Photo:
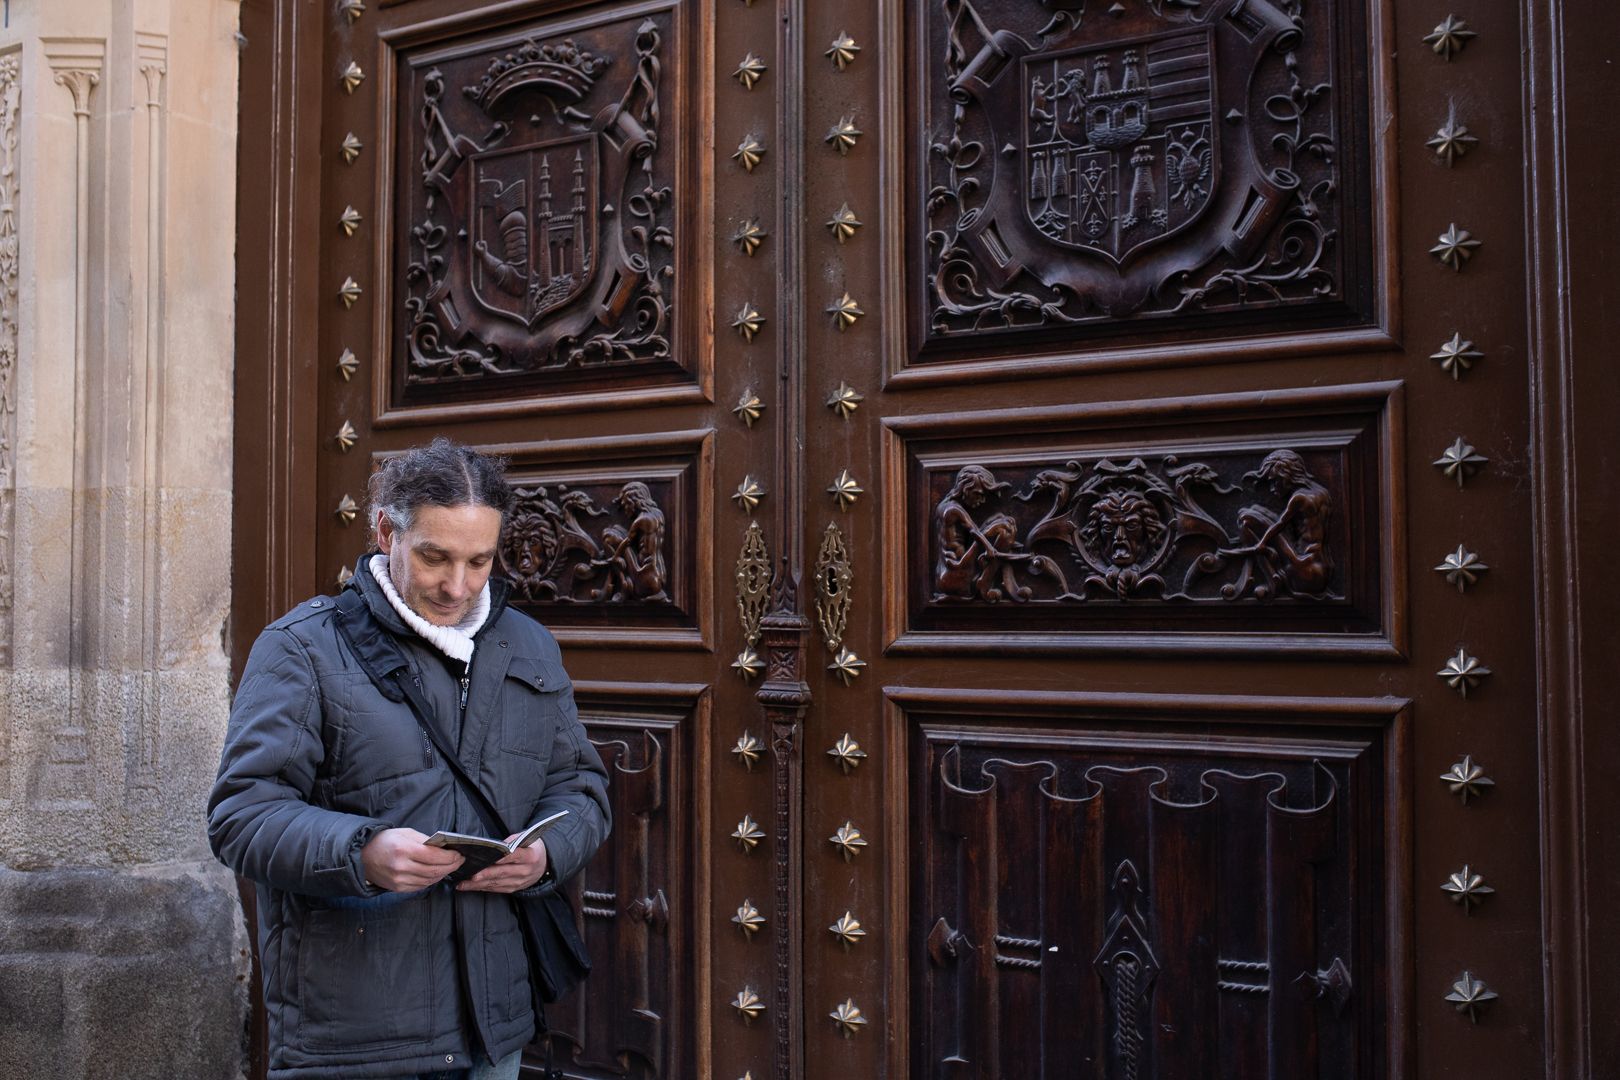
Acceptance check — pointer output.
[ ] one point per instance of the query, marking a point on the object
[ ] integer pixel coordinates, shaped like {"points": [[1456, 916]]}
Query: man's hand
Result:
{"points": [[514, 873], [397, 860]]}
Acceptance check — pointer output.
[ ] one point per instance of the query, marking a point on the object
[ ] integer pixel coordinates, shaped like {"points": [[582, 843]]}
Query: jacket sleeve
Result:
{"points": [[261, 822], [576, 782]]}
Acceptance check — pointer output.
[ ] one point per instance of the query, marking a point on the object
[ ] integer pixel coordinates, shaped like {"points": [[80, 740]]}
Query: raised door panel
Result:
{"points": [[1194, 888]]}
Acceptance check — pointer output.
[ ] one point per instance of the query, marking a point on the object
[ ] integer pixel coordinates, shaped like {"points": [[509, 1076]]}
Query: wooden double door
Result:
{"points": [[1031, 494]]}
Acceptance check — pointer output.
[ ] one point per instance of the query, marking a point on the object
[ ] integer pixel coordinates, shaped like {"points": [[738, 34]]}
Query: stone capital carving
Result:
{"points": [[79, 82]]}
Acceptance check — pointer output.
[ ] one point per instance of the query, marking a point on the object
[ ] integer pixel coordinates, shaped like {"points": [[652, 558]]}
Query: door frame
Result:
{"points": [[1571, 382]]}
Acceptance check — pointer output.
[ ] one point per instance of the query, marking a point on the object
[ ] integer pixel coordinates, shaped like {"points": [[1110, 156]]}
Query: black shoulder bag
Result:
{"points": [[558, 959]]}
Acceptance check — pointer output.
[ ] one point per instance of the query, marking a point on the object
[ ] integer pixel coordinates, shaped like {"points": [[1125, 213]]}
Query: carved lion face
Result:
{"points": [[529, 540], [1124, 527]]}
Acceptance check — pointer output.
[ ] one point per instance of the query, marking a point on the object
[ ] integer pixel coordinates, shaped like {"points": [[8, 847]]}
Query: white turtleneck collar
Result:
{"points": [[456, 641]]}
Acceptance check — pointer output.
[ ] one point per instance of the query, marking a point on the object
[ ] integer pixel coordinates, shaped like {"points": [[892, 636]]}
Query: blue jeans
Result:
{"points": [[505, 1069]]}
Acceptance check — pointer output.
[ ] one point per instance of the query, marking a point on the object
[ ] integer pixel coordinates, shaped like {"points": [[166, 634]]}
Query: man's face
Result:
{"points": [[440, 564]]}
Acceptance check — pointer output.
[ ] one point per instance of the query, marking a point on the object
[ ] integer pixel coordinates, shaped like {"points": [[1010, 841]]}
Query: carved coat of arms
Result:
{"points": [[1119, 148], [536, 249], [1118, 156]]}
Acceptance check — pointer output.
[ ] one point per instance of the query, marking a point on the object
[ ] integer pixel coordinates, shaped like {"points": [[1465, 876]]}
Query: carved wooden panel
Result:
{"points": [[634, 900], [608, 539], [538, 227], [1119, 170], [1175, 523], [1148, 899]]}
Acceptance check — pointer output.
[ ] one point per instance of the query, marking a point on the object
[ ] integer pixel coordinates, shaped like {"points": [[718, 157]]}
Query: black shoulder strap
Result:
{"points": [[383, 662]]}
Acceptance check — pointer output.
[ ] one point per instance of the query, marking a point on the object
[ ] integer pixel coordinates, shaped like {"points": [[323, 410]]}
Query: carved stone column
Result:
{"points": [[117, 163]]}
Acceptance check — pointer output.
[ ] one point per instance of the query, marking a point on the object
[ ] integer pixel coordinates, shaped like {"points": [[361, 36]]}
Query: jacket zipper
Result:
{"points": [[464, 681]]}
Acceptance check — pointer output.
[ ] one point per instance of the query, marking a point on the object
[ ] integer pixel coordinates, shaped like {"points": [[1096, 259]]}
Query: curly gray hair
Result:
{"points": [[442, 473]]}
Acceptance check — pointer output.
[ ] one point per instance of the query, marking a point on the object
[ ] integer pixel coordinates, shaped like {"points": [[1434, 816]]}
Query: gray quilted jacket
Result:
{"points": [[359, 982]]}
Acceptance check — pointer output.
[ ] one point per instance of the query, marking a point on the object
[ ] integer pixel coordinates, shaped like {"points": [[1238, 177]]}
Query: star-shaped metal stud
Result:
{"points": [[344, 576], [1449, 37], [352, 77], [351, 148], [747, 1004], [748, 750], [1467, 889], [842, 51], [843, 223], [748, 834], [748, 322], [1463, 672], [842, 135], [847, 752], [1457, 355], [749, 408], [848, 1018], [349, 220], [347, 510], [845, 311], [1467, 779], [750, 71], [750, 152], [1462, 568], [353, 9], [1471, 996], [848, 840], [1452, 140], [748, 919], [845, 400], [846, 489], [749, 236], [1460, 461], [347, 364], [349, 292], [1455, 247], [346, 437], [847, 930], [749, 494], [846, 665], [748, 664]]}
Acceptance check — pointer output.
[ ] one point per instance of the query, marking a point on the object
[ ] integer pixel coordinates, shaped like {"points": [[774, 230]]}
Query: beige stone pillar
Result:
{"points": [[117, 218]]}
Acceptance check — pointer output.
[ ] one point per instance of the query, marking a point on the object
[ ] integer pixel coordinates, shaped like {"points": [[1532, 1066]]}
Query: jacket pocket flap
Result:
{"points": [[547, 676]]}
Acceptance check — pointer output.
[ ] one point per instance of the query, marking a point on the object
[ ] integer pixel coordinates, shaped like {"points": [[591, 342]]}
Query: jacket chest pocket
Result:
{"points": [[538, 695]]}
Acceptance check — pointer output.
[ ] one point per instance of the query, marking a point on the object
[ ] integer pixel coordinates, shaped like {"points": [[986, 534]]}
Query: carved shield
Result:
{"points": [[1112, 176], [1119, 149], [532, 226]]}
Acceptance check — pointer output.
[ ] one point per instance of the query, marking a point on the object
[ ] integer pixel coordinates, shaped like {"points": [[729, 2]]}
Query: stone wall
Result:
{"points": [[122, 950]]}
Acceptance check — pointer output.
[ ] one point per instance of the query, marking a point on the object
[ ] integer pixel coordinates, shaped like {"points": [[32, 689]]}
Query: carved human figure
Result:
{"points": [[981, 561], [968, 552], [1290, 547], [634, 555]]}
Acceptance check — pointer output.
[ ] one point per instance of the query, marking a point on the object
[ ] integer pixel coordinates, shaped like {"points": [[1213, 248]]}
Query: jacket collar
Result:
{"points": [[363, 583]]}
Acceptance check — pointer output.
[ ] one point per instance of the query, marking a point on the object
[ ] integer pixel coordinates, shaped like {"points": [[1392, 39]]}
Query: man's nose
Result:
{"points": [[455, 583]]}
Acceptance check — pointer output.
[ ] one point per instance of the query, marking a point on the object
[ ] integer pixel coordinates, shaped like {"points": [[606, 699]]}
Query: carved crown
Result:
{"points": [[563, 70]]}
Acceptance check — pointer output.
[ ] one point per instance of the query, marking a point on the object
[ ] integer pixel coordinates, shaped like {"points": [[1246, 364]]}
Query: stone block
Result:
{"points": [[133, 974]]}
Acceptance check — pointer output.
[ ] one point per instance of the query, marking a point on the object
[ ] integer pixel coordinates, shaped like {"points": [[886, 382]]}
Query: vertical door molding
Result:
{"points": [[273, 542], [1570, 132]]}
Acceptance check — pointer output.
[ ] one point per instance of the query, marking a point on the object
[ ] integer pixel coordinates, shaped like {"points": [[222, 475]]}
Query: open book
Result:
{"points": [[481, 851]]}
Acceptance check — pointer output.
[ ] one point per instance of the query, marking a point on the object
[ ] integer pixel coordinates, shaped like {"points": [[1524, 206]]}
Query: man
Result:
{"points": [[374, 964]]}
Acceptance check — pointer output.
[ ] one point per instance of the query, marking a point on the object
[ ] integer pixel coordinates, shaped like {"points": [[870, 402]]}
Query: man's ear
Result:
{"points": [[385, 533]]}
